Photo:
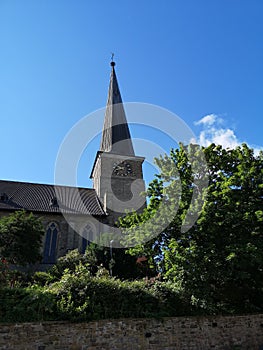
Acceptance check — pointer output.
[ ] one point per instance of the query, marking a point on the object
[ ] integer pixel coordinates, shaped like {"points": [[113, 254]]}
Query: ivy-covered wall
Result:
{"points": [[180, 333]]}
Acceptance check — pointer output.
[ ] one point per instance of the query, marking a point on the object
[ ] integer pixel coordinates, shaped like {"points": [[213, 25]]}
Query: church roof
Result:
{"points": [[116, 136], [49, 198]]}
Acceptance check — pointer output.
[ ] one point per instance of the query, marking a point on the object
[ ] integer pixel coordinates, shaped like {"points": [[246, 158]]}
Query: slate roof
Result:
{"points": [[116, 136], [49, 198]]}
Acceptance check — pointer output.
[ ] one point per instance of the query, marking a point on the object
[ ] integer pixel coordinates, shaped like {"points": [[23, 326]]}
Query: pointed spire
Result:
{"points": [[116, 136]]}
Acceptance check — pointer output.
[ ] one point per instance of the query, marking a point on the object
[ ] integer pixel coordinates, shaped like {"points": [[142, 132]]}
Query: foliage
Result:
{"points": [[81, 297], [21, 238], [68, 262], [3, 272], [12, 277], [42, 278], [116, 260], [27, 305], [217, 262]]}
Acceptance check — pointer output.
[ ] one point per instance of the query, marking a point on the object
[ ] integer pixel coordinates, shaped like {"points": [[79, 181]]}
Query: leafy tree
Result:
{"points": [[217, 261], [174, 202], [222, 262], [21, 238]]}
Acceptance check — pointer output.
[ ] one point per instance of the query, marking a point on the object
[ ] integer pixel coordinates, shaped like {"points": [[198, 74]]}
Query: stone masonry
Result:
{"points": [[180, 333]]}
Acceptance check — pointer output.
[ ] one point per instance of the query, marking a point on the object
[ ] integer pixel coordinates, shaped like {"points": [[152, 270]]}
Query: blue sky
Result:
{"points": [[199, 59]]}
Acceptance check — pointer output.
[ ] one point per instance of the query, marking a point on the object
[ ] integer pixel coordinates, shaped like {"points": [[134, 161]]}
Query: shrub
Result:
{"points": [[42, 278], [27, 305], [68, 262], [81, 297]]}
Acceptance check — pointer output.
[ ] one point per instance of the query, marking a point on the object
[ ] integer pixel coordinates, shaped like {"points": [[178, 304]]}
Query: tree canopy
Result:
{"points": [[21, 238], [216, 259]]}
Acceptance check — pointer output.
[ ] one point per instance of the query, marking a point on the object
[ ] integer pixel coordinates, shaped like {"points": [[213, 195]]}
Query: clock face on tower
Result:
{"points": [[122, 169]]}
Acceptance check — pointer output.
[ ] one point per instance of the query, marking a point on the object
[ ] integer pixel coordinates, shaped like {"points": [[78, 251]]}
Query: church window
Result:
{"points": [[51, 244]]}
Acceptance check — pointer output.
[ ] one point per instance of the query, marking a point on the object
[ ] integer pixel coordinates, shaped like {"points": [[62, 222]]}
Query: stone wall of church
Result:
{"points": [[71, 231], [181, 333], [64, 232], [68, 229]]}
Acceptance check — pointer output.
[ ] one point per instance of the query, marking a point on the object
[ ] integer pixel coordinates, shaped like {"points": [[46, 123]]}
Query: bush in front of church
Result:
{"points": [[21, 236]]}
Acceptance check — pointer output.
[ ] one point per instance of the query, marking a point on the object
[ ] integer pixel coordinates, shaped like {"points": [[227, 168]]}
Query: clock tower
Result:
{"points": [[117, 173]]}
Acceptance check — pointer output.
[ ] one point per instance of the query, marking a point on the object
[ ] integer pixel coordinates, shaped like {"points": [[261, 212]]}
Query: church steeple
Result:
{"points": [[116, 136], [117, 173]]}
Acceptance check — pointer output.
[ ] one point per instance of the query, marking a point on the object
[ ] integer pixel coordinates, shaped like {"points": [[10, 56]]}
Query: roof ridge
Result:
{"points": [[44, 184]]}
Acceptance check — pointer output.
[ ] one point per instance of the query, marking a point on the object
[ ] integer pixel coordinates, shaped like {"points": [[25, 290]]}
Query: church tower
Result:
{"points": [[117, 173]]}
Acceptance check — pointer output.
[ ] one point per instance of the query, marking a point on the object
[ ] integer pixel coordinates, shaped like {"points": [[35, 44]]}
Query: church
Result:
{"points": [[74, 216]]}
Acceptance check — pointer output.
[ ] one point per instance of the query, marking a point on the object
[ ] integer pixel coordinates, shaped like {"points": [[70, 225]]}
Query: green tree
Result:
{"points": [[21, 238], [217, 262], [222, 262], [175, 199]]}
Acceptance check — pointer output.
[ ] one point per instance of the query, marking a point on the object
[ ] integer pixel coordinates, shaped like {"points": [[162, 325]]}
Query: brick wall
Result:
{"points": [[239, 332]]}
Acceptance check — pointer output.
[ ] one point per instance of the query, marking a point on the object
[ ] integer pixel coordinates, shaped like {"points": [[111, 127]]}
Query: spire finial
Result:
{"points": [[112, 62]]}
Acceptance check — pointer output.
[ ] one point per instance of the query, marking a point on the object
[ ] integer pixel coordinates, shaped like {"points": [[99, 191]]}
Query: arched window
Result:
{"points": [[87, 237], [50, 247]]}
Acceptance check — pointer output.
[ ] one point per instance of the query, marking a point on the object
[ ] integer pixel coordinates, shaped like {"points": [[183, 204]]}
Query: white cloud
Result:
{"points": [[224, 137], [213, 132], [207, 120]]}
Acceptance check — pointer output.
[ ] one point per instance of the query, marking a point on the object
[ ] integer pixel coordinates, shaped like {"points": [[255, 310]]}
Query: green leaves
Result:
{"points": [[222, 251], [21, 238]]}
